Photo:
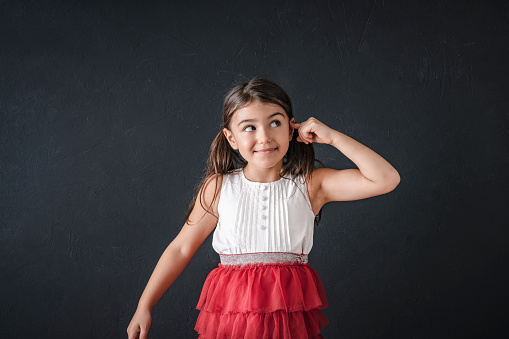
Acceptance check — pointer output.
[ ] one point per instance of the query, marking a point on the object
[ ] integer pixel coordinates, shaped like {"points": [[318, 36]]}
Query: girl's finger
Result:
{"points": [[309, 139], [302, 135], [133, 334], [302, 140], [305, 133]]}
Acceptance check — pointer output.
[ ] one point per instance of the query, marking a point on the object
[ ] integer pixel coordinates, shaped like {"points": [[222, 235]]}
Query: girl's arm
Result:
{"points": [[374, 175], [176, 257]]}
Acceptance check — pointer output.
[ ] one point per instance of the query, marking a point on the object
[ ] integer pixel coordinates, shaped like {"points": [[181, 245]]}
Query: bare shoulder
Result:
{"points": [[210, 193], [203, 217]]}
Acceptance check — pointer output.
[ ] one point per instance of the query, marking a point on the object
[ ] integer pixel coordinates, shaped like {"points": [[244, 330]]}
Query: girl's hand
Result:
{"points": [[313, 130], [139, 324]]}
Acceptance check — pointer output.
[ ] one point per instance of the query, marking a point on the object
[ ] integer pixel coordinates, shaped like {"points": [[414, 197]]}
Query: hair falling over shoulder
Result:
{"points": [[223, 159]]}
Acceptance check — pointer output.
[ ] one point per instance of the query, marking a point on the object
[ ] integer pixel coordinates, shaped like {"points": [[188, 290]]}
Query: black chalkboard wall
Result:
{"points": [[108, 110]]}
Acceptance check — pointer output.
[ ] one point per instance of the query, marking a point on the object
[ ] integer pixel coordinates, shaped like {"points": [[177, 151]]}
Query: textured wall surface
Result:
{"points": [[108, 110]]}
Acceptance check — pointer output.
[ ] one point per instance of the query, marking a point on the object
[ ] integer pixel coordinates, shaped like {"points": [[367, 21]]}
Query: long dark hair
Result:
{"points": [[223, 159]]}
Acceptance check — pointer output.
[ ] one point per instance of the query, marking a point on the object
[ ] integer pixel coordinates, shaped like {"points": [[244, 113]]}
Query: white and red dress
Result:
{"points": [[263, 287]]}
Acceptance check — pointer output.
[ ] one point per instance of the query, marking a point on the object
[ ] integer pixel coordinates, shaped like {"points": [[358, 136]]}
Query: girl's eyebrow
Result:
{"points": [[269, 117]]}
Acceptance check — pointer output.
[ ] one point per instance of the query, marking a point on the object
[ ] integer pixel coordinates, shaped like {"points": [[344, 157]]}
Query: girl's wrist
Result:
{"points": [[145, 306], [335, 136]]}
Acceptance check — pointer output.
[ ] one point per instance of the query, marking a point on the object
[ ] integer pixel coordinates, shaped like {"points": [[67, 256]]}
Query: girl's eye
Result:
{"points": [[251, 128]]}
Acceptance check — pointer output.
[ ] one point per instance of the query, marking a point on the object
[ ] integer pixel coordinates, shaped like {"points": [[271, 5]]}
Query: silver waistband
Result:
{"points": [[263, 258]]}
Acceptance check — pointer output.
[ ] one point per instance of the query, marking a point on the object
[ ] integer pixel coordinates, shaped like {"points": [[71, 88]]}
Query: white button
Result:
{"points": [[263, 227], [264, 216], [264, 207], [264, 197], [263, 187]]}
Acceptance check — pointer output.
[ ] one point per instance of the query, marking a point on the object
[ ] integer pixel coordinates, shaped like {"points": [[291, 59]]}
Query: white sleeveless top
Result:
{"points": [[263, 217]]}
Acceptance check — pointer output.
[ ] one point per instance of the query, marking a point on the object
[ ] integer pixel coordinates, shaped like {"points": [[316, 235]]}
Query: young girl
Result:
{"points": [[262, 196]]}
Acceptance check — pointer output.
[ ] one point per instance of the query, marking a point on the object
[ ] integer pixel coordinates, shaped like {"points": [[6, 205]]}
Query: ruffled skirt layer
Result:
{"points": [[277, 300]]}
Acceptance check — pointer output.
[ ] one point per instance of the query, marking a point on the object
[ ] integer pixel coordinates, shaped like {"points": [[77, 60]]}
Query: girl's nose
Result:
{"points": [[264, 135]]}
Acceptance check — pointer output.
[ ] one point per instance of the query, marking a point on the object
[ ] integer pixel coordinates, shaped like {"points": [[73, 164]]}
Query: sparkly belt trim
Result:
{"points": [[263, 258]]}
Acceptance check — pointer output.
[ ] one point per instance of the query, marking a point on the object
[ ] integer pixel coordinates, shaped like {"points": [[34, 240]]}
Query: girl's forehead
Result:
{"points": [[258, 110]]}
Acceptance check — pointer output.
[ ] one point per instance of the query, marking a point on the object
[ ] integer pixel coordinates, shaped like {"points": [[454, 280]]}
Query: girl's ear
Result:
{"points": [[292, 129], [231, 139]]}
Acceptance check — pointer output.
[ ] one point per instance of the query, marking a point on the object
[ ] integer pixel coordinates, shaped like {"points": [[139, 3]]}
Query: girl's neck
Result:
{"points": [[263, 174]]}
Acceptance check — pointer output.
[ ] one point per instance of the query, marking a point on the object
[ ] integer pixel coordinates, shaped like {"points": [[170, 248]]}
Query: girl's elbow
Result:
{"points": [[392, 182]]}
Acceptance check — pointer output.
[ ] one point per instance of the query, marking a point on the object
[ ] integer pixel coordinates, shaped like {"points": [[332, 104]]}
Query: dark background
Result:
{"points": [[108, 110]]}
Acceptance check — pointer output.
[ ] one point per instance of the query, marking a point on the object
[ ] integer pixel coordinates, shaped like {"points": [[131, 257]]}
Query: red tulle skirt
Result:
{"points": [[262, 301]]}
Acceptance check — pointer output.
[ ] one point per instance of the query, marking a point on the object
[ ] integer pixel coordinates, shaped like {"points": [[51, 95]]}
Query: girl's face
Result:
{"points": [[261, 132]]}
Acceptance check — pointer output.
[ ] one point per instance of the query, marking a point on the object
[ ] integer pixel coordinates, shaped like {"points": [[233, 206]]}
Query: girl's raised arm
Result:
{"points": [[374, 176], [176, 256]]}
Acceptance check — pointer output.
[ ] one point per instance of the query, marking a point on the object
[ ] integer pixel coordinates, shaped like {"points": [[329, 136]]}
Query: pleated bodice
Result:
{"points": [[263, 217]]}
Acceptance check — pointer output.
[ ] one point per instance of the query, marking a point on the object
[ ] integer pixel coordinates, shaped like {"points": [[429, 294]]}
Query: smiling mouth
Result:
{"points": [[267, 151]]}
